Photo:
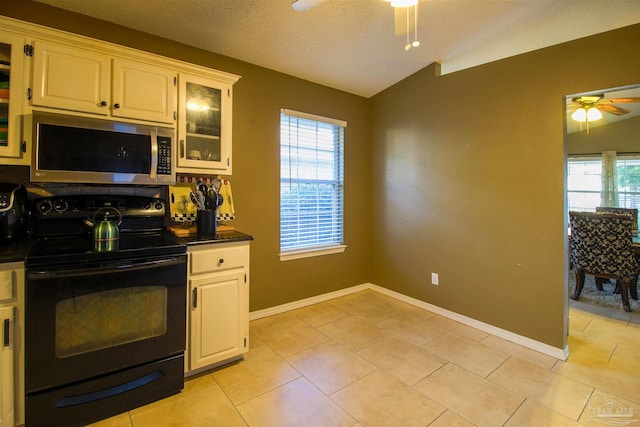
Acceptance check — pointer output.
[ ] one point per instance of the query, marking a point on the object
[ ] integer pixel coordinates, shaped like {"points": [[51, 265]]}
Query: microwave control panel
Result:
{"points": [[164, 155]]}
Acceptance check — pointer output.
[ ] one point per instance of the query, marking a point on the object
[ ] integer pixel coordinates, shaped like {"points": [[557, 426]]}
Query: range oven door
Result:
{"points": [[86, 321]]}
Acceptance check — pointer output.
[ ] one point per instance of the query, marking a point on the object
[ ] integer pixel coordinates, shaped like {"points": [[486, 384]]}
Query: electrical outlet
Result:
{"points": [[434, 279]]}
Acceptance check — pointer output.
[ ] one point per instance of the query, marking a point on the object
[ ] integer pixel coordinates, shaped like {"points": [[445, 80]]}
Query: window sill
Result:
{"points": [[311, 252]]}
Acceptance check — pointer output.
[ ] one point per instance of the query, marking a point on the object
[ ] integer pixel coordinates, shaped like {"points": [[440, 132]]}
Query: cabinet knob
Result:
{"points": [[116, 106], [103, 104], [220, 261]]}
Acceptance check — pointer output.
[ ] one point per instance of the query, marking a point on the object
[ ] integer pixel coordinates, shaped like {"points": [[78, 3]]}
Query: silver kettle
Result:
{"points": [[105, 225]]}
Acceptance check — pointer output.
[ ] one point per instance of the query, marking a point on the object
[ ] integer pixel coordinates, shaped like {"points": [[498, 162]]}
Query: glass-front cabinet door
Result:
{"points": [[11, 78], [204, 126]]}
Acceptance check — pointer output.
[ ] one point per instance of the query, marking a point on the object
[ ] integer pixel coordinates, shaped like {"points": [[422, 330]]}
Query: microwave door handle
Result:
{"points": [[154, 154]]}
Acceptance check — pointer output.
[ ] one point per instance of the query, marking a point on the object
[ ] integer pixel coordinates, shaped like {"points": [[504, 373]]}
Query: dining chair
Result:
{"points": [[601, 245], [628, 211]]}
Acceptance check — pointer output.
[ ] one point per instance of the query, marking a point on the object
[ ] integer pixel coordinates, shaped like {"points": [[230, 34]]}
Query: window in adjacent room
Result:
{"points": [[608, 180], [311, 185]]}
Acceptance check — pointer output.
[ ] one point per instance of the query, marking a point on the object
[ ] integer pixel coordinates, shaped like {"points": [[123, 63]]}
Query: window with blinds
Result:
{"points": [[311, 182], [585, 185]]}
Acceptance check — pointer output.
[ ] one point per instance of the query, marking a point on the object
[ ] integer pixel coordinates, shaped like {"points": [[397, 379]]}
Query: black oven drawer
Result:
{"points": [[89, 401]]}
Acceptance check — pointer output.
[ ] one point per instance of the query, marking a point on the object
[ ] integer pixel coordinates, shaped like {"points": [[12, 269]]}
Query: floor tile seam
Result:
{"points": [[447, 409], [633, 398], [534, 398], [438, 401], [283, 355], [489, 382], [330, 395], [508, 355], [259, 395], [315, 326], [514, 412], [499, 365], [300, 375], [580, 379]]}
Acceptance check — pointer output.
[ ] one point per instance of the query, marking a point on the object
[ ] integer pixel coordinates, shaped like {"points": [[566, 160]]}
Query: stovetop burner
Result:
{"points": [[62, 236]]}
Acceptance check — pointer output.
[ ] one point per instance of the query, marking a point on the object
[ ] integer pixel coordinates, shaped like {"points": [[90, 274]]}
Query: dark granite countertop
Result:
{"points": [[15, 251], [220, 237], [18, 251]]}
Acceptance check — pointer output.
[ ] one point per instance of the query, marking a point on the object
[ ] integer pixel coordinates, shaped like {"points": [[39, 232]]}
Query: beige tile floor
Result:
{"points": [[369, 360]]}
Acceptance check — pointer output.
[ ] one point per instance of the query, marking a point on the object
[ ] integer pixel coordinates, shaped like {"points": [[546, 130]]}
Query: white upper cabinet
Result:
{"points": [[204, 125], [76, 79], [142, 91]]}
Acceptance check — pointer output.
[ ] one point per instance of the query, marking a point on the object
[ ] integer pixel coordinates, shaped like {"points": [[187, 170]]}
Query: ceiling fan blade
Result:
{"points": [[609, 108], [304, 5], [621, 100]]}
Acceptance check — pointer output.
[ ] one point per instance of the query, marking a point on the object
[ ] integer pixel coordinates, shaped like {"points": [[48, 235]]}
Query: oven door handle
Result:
{"points": [[116, 267]]}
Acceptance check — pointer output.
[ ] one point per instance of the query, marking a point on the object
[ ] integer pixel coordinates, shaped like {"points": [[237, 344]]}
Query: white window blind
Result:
{"points": [[584, 184], [585, 188], [311, 181], [628, 181]]}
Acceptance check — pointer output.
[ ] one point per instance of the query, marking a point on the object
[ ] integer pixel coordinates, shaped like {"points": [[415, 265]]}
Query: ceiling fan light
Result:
{"points": [[593, 114], [402, 3], [407, 46], [580, 115], [415, 43]]}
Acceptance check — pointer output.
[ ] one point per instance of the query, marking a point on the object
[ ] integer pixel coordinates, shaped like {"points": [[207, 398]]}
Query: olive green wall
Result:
{"points": [[462, 175], [468, 174], [258, 97], [622, 136]]}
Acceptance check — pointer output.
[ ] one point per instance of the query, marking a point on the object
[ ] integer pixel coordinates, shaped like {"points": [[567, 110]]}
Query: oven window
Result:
{"points": [[110, 318]]}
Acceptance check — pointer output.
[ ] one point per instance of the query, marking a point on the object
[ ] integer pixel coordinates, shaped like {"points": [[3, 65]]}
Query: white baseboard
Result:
{"points": [[538, 346], [305, 302]]}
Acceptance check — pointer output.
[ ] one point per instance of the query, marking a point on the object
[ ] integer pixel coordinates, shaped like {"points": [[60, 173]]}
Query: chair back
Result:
{"points": [[628, 211], [601, 244]]}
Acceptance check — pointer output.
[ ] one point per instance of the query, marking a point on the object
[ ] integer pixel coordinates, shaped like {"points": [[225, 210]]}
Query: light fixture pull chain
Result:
{"points": [[408, 45], [416, 43]]}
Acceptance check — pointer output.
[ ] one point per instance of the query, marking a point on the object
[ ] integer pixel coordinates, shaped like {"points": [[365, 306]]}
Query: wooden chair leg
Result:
{"points": [[599, 282], [633, 287], [624, 293], [579, 284]]}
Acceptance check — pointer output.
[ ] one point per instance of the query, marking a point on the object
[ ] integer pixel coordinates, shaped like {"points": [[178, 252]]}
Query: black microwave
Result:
{"points": [[78, 149]]}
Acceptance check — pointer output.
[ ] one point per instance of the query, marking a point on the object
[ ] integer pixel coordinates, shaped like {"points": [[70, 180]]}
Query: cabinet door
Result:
{"points": [[11, 90], [70, 79], [204, 126], [219, 326], [145, 92], [6, 367]]}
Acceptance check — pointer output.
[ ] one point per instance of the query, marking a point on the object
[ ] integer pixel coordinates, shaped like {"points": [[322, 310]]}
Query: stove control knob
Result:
{"points": [[146, 204], [60, 205], [45, 207], [159, 205]]}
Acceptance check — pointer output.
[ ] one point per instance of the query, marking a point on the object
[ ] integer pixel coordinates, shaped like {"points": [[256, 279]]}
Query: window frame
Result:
{"points": [[336, 182]]}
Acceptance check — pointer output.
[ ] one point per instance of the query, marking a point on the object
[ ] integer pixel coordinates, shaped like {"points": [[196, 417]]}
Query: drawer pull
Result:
{"points": [[7, 332], [220, 261]]}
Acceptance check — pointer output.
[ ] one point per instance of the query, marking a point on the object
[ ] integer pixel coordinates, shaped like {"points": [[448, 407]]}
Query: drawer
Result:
{"points": [[218, 259]]}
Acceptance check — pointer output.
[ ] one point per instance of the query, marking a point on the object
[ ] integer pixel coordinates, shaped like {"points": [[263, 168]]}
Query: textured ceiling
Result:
{"points": [[351, 44]]}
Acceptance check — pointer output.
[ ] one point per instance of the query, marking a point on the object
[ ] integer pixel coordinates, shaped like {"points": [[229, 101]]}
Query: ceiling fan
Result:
{"points": [[589, 108], [405, 18], [600, 103]]}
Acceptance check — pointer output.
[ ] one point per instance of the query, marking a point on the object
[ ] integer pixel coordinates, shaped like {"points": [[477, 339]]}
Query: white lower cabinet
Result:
{"points": [[11, 344], [7, 416], [218, 314]]}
